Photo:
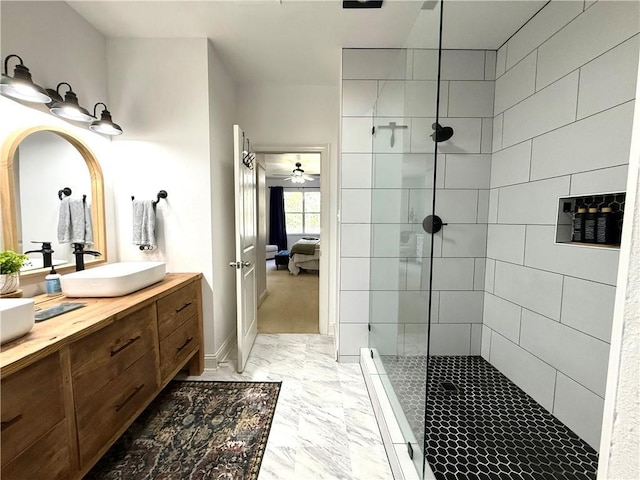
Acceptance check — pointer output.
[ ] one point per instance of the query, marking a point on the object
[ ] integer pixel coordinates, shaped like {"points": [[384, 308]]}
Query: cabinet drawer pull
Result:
{"points": [[126, 400], [122, 347], [187, 342], [183, 307], [8, 423]]}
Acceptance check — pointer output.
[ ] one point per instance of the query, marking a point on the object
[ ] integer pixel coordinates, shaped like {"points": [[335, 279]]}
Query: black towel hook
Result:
{"points": [[66, 192]]}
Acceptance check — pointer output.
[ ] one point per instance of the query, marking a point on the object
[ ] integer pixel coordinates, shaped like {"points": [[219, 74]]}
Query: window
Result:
{"points": [[302, 212]]}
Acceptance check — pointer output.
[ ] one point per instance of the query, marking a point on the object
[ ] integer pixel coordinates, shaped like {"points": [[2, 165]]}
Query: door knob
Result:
{"points": [[235, 264], [246, 264]]}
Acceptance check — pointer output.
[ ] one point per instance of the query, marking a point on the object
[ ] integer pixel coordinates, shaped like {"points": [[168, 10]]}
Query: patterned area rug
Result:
{"points": [[195, 431]]}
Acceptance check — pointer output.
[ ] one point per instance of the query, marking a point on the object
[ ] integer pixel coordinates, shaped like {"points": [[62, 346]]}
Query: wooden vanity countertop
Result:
{"points": [[51, 335]]}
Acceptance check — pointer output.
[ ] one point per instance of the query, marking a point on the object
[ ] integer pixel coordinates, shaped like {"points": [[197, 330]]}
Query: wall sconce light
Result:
{"points": [[105, 125], [21, 85], [68, 108]]}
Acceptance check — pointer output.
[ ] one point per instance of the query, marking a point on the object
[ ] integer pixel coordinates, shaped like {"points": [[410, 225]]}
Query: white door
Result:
{"points": [[245, 261]]}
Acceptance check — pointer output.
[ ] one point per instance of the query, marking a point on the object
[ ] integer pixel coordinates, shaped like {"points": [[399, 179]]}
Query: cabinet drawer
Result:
{"points": [[178, 346], [47, 459], [102, 356], [114, 406], [175, 309], [32, 403]]}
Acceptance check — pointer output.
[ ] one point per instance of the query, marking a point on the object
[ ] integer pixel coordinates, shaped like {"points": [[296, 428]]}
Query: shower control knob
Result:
{"points": [[433, 224]]}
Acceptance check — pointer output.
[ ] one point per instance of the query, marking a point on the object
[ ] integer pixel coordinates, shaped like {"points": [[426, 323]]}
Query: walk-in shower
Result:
{"points": [[477, 329]]}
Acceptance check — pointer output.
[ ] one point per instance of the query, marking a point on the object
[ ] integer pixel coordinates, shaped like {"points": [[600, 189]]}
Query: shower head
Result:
{"points": [[441, 134]]}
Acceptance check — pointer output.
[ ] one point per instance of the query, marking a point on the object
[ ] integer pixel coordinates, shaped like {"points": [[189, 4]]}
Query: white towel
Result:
{"points": [[74, 221], [144, 223]]}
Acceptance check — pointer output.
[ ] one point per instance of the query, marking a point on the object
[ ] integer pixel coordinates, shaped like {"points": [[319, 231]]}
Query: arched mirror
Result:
{"points": [[42, 170]]}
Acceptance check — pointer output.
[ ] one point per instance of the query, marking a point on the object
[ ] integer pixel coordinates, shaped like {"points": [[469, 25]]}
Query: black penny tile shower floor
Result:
{"points": [[487, 428]]}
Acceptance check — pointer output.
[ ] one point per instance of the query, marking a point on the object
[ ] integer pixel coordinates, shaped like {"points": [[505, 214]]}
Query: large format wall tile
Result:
{"points": [[516, 84], [462, 65], [353, 336], [356, 135], [368, 64], [511, 165], [525, 370], [355, 240], [461, 307], [612, 179], [502, 316], [580, 409], [452, 273], [506, 243], [356, 206], [610, 79], [354, 307], [596, 264], [582, 146], [382, 138], [460, 240], [486, 142], [467, 171], [354, 274], [532, 203], [356, 170], [389, 206], [546, 110], [533, 289], [490, 64], [601, 27], [588, 307], [359, 97], [470, 99], [455, 206], [425, 64], [450, 339], [579, 356], [543, 25]]}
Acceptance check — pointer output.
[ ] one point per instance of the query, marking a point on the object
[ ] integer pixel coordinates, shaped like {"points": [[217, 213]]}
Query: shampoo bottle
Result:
{"points": [[52, 283], [607, 230], [591, 225], [578, 224]]}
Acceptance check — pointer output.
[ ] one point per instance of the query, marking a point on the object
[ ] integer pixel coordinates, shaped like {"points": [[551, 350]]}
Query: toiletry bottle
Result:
{"points": [[578, 224], [607, 228], [591, 225], [52, 283]]}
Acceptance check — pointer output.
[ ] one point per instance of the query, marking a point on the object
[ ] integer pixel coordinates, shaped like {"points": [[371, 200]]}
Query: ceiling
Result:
{"points": [[282, 164], [298, 42]]}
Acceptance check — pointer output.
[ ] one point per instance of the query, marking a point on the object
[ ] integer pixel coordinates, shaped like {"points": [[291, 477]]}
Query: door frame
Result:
{"points": [[328, 275]]}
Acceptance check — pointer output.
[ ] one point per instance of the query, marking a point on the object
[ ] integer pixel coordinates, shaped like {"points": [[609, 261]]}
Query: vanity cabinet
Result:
{"points": [[74, 384]]}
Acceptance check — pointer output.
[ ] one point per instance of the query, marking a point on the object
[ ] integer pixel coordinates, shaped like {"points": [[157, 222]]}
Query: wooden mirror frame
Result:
{"points": [[7, 196]]}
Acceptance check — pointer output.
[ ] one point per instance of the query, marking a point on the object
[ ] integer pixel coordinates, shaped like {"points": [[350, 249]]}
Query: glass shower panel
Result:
{"points": [[401, 197]]}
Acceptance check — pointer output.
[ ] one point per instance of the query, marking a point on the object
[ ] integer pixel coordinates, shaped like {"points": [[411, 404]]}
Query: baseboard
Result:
{"points": [[212, 360], [262, 297]]}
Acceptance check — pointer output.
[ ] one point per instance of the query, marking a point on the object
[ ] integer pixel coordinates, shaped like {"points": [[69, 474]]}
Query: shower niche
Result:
{"points": [[593, 220]]}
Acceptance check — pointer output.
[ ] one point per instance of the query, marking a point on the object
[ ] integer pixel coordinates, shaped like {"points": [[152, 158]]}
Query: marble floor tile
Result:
{"points": [[323, 426]]}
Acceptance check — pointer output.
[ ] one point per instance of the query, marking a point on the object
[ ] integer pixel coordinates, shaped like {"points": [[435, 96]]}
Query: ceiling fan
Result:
{"points": [[298, 176]]}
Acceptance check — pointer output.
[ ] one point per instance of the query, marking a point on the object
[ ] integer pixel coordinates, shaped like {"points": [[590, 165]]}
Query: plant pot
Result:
{"points": [[9, 283]]}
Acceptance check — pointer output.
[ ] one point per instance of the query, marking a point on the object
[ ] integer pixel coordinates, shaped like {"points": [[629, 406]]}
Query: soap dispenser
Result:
{"points": [[52, 283]]}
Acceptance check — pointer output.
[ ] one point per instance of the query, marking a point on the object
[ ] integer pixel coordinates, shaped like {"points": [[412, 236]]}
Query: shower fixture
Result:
{"points": [[441, 134]]}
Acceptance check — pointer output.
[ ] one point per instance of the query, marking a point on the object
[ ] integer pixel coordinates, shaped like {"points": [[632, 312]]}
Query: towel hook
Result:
{"points": [[66, 191]]}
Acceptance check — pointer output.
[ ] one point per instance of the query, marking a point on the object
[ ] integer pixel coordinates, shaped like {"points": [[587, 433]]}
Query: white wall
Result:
{"points": [[222, 116], [175, 141], [548, 308], [45, 35]]}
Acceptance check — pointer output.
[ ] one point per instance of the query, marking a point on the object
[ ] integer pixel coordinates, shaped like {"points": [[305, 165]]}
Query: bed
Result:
{"points": [[304, 254]]}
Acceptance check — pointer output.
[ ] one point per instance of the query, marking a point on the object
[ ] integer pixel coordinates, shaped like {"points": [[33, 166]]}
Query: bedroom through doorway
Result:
{"points": [[289, 220]]}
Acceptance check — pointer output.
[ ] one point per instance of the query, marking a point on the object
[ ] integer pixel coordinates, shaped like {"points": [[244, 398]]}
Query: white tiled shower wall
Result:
{"points": [[563, 105], [386, 192], [564, 91]]}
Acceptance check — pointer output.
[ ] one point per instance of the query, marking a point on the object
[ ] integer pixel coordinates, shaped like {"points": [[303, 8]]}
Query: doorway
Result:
{"points": [[292, 285]]}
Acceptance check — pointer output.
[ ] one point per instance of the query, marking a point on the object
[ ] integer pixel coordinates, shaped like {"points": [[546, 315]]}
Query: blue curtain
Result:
{"points": [[277, 224]]}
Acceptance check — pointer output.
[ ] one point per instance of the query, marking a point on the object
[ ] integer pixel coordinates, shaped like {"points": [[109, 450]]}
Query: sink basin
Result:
{"points": [[16, 318], [113, 279]]}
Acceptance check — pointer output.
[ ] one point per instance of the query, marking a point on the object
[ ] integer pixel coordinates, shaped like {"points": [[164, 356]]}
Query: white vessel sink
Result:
{"points": [[113, 279], [16, 318]]}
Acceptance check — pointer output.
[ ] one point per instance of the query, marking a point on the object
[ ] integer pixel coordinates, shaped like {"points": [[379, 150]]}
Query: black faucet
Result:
{"points": [[80, 252], [46, 252]]}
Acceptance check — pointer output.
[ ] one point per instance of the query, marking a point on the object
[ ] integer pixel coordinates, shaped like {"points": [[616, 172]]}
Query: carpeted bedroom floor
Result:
{"points": [[292, 303]]}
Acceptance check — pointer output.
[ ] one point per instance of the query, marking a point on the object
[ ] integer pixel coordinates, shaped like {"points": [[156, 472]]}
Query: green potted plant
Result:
{"points": [[10, 265]]}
